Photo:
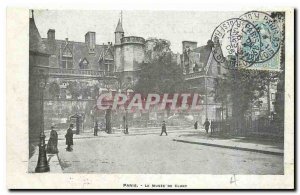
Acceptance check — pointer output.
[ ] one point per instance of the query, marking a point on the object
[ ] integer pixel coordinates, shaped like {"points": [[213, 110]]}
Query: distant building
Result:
{"points": [[200, 70], [265, 105]]}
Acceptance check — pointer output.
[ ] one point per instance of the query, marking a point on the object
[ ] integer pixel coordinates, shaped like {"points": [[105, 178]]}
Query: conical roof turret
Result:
{"points": [[119, 27]]}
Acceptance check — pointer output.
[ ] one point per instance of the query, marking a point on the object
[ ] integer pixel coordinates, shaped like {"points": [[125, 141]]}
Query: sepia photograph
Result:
{"points": [[175, 93]]}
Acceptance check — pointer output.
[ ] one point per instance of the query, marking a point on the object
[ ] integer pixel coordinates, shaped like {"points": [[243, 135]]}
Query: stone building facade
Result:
{"points": [[79, 71], [38, 63], [129, 53], [200, 70]]}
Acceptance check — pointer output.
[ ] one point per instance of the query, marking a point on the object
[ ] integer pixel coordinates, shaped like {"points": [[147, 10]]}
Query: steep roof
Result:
{"points": [[79, 51], [119, 27], [35, 41], [204, 53]]}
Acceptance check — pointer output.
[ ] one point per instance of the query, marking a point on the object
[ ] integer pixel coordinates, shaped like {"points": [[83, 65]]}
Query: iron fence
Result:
{"points": [[262, 126]]}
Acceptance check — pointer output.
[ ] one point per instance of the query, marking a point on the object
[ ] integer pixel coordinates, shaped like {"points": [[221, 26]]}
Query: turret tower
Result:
{"points": [[129, 52], [119, 33]]}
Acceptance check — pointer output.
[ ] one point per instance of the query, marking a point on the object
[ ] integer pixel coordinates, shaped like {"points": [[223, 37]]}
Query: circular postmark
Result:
{"points": [[245, 41], [236, 43], [270, 33], [221, 39]]}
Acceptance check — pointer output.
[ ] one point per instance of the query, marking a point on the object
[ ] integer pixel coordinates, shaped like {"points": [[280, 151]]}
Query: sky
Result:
{"points": [[175, 26]]}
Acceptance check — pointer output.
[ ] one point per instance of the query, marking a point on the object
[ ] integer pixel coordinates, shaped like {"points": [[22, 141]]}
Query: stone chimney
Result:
{"points": [[90, 40], [51, 34], [51, 41], [188, 44]]}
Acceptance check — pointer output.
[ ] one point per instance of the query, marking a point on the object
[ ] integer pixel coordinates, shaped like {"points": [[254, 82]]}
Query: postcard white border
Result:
{"points": [[17, 133]]}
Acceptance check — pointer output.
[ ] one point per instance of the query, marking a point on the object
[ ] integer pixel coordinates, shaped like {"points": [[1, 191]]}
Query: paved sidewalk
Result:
{"points": [[52, 160], [119, 132], [237, 143], [192, 136]]}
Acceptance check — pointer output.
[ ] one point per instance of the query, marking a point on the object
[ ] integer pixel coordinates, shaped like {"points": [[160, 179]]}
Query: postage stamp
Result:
{"points": [[253, 39], [152, 99]]}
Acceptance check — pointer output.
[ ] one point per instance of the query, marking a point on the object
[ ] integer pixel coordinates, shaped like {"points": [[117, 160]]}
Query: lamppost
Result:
{"points": [[108, 120], [42, 165], [205, 80]]}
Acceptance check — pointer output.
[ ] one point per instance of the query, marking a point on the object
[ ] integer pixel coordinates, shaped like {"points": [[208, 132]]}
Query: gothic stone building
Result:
{"points": [[38, 60], [79, 71], [200, 70]]}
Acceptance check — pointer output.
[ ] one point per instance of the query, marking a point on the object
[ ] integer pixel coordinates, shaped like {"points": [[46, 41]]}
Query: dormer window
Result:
{"points": [[196, 68], [67, 58], [106, 62], [67, 52], [84, 64], [108, 65]]}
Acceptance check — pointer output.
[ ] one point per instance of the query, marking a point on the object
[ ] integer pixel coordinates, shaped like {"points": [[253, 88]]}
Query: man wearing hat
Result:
{"points": [[163, 128], [69, 137], [206, 125], [96, 129]]}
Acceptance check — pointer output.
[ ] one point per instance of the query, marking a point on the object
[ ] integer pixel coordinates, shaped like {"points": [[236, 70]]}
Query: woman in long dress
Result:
{"points": [[52, 143]]}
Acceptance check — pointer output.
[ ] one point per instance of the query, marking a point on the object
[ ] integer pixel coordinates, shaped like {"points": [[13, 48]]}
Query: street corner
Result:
{"points": [[52, 159]]}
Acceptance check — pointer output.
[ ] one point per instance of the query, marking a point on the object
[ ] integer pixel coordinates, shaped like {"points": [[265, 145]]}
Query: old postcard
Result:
{"points": [[100, 99]]}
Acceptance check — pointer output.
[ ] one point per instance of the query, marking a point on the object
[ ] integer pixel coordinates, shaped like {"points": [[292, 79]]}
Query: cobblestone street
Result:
{"points": [[152, 154]]}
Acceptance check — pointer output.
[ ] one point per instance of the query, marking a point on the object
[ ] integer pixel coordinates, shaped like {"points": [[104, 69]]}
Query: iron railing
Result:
{"points": [[79, 72], [248, 126]]}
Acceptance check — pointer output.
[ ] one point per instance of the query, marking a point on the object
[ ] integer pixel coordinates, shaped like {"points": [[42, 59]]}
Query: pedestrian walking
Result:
{"points": [[196, 125], [96, 129], [212, 127], [124, 124], [126, 129], [163, 128], [52, 143], [206, 125], [69, 138]]}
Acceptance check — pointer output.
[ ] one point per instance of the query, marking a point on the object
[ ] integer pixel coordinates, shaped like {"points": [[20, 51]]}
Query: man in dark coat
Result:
{"points": [[163, 128], [52, 143], [126, 129], [206, 125], [196, 125], [212, 127], [96, 129], [124, 124], [69, 137]]}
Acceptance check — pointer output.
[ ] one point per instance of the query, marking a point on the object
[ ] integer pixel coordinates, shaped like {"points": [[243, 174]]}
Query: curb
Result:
{"points": [[233, 147], [118, 135], [135, 129]]}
